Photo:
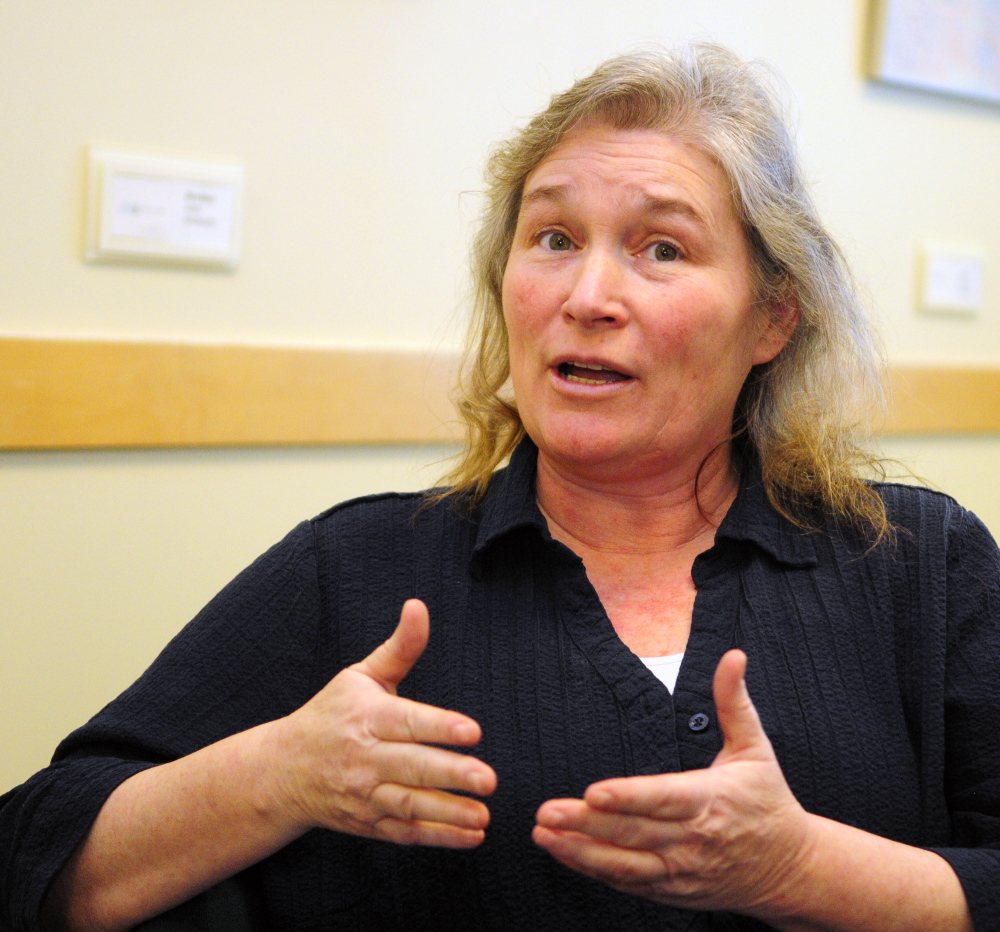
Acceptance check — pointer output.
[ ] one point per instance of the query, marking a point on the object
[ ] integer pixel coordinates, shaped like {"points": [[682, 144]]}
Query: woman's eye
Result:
{"points": [[664, 252], [558, 242]]}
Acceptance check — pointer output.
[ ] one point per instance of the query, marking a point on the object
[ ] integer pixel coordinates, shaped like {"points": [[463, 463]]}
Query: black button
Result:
{"points": [[698, 721]]}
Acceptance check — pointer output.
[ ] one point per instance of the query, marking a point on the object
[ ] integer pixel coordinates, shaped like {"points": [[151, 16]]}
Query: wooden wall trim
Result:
{"points": [[944, 400], [69, 394], [94, 393]]}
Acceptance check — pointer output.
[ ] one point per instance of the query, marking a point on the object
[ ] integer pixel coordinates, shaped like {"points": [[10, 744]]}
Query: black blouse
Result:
{"points": [[876, 675]]}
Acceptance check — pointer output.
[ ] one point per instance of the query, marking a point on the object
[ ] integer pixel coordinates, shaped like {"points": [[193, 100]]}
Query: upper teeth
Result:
{"points": [[587, 365]]}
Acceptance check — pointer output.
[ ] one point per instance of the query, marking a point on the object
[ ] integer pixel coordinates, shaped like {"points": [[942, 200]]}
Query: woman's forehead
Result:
{"points": [[595, 130], [646, 166]]}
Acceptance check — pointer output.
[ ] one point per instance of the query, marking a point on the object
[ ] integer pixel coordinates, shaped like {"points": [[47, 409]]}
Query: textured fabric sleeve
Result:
{"points": [[972, 716], [246, 658]]}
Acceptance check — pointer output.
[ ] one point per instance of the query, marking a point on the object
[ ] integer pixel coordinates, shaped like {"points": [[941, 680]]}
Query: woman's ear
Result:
{"points": [[782, 318]]}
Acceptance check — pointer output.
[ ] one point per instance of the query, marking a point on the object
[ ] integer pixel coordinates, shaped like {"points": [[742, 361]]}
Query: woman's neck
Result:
{"points": [[675, 511], [638, 540]]}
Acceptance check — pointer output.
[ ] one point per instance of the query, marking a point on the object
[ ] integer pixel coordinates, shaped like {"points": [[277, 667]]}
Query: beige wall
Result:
{"points": [[363, 125]]}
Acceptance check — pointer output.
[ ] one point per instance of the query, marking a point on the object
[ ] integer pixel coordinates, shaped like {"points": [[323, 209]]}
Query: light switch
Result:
{"points": [[145, 208], [952, 279]]}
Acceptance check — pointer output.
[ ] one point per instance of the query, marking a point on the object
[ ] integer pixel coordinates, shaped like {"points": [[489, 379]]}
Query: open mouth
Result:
{"points": [[588, 373]]}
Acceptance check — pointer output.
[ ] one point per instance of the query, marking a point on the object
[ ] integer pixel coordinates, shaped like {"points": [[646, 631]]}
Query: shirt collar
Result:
{"points": [[510, 500], [510, 504], [753, 518]]}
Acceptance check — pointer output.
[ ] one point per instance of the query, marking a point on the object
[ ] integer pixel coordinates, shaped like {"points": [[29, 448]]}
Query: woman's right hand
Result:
{"points": [[356, 757]]}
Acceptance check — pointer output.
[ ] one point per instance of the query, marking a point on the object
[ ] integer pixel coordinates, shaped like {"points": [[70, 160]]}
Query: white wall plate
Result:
{"points": [[155, 209], [951, 278]]}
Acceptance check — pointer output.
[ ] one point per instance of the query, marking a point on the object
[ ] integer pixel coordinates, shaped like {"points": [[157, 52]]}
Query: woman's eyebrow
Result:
{"points": [[652, 204], [642, 200], [548, 194]]}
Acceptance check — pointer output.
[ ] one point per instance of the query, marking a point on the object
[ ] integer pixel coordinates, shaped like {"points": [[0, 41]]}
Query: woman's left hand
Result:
{"points": [[729, 837]]}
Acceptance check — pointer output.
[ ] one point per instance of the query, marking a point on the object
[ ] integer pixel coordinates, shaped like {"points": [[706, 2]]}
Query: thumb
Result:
{"points": [[393, 659], [741, 728]]}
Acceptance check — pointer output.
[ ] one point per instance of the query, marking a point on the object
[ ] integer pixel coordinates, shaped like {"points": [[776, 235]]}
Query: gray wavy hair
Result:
{"points": [[808, 412]]}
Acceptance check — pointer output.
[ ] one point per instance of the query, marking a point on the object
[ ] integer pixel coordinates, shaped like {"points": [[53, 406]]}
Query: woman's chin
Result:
{"points": [[599, 449], [588, 449]]}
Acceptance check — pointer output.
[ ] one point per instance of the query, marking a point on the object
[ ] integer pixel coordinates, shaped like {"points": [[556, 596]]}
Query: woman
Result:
{"points": [[684, 352]]}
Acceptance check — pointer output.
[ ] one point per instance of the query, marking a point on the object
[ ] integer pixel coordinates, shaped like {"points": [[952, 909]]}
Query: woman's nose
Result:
{"points": [[596, 295]]}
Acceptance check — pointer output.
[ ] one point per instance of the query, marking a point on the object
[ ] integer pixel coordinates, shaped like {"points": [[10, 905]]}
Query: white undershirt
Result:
{"points": [[665, 669]]}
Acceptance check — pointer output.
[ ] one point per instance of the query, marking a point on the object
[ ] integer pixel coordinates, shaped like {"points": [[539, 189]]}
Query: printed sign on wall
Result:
{"points": [[949, 46]]}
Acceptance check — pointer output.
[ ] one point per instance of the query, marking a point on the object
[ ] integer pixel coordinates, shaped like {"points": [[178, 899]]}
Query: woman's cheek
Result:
{"points": [[521, 299]]}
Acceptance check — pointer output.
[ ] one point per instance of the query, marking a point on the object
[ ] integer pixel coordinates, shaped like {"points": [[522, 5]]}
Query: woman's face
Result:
{"points": [[629, 305]]}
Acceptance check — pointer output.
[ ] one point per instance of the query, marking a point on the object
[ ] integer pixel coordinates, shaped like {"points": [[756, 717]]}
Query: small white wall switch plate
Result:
{"points": [[951, 279], [148, 208]]}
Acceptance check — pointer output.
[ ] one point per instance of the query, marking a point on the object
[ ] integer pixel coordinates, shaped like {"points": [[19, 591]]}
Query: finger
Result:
{"points": [[421, 766], [625, 831], [399, 719], [672, 796], [597, 859], [410, 804], [741, 728], [432, 834], [389, 663]]}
